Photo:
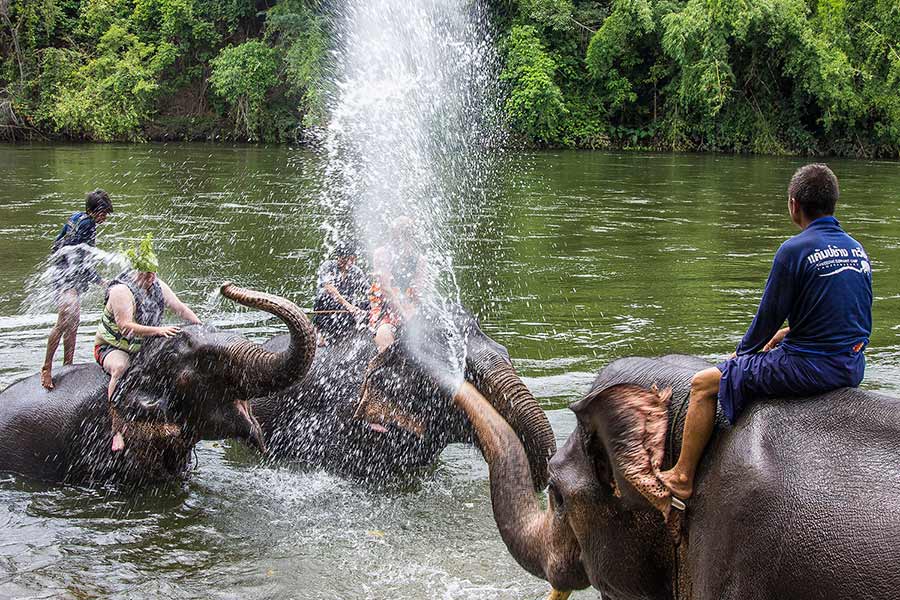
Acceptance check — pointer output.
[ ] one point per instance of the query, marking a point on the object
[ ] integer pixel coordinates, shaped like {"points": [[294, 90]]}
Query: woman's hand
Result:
{"points": [[168, 331]]}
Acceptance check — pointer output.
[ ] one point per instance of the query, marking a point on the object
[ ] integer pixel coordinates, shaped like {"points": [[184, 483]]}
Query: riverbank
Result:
{"points": [[209, 129], [790, 78]]}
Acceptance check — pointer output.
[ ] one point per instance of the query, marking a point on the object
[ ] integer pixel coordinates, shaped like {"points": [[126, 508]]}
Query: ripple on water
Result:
{"points": [[605, 284]]}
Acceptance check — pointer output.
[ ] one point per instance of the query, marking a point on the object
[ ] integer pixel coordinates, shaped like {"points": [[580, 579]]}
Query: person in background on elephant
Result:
{"points": [[341, 301], [821, 282], [135, 301], [72, 273], [399, 277]]}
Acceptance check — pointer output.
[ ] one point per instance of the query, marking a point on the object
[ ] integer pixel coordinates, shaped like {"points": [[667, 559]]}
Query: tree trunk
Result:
{"points": [[14, 34]]}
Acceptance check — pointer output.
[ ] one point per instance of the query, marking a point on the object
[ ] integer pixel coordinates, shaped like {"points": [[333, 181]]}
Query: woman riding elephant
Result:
{"points": [[793, 501], [177, 391], [135, 301]]}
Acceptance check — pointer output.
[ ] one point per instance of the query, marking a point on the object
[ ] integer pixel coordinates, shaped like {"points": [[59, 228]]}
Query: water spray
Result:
{"points": [[414, 115]]}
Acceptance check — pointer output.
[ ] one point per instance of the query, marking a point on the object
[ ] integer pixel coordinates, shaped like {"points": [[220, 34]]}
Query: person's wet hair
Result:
{"points": [[402, 227], [815, 188], [98, 201], [344, 249]]}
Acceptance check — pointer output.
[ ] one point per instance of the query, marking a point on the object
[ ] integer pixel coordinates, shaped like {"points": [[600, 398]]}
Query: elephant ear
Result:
{"points": [[630, 422]]}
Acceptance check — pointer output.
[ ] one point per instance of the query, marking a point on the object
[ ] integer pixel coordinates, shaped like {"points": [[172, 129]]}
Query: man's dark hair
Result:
{"points": [[815, 188], [98, 202], [344, 249]]}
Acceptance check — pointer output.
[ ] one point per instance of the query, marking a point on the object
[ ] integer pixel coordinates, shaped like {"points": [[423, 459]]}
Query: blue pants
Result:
{"points": [[779, 373]]}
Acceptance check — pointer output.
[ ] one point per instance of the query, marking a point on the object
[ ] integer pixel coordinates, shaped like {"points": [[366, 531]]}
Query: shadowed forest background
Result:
{"points": [[759, 76]]}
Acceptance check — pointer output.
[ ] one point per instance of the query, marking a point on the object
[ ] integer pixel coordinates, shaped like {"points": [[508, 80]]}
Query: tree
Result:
{"points": [[242, 76], [535, 103]]}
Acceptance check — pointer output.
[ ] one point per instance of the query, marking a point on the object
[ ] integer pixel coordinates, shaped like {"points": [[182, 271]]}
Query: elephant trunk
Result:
{"points": [[253, 369], [496, 378], [543, 547]]}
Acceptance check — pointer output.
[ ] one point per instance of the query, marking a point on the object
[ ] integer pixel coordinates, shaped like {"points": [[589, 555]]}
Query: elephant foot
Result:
{"points": [[46, 378]]}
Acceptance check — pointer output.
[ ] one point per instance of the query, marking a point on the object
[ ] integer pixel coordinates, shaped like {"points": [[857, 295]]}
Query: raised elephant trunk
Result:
{"points": [[253, 369], [542, 548], [496, 378]]}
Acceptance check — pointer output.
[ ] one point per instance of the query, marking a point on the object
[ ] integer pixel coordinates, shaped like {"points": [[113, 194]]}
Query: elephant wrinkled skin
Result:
{"points": [[798, 500], [178, 391], [408, 416]]}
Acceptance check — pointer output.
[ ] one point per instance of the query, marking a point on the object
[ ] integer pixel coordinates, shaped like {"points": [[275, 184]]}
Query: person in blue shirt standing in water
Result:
{"points": [[72, 274], [821, 282]]}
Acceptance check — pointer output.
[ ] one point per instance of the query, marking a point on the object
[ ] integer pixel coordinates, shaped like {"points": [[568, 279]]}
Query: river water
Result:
{"points": [[571, 260]]}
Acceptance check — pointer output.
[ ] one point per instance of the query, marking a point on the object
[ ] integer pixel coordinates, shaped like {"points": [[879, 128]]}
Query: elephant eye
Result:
{"points": [[185, 380], [556, 496]]}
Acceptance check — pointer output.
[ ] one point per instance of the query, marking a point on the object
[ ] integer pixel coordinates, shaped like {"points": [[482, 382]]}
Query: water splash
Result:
{"points": [[68, 264], [414, 121]]}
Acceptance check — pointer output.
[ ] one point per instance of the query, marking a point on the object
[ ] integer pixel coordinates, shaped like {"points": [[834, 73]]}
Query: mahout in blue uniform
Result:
{"points": [[821, 283]]}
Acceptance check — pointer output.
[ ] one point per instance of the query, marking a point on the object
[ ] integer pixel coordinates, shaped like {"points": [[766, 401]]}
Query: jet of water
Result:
{"points": [[414, 121]]}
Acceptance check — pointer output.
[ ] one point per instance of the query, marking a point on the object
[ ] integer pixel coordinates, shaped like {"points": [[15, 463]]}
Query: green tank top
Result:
{"points": [[148, 310]]}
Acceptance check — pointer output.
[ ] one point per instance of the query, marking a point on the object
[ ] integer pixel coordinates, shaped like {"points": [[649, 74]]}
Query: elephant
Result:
{"points": [[178, 391], [396, 425], [287, 397], [799, 499]]}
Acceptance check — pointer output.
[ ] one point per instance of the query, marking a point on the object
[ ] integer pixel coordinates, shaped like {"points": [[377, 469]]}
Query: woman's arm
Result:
{"points": [[121, 303], [421, 279], [176, 305], [381, 265]]}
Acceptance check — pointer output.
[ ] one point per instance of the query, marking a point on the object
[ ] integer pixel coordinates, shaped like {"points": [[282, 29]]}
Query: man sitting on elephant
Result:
{"points": [[341, 301], [821, 282], [135, 301]]}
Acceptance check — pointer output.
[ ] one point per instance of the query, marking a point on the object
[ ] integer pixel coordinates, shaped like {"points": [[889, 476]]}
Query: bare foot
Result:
{"points": [[46, 378], [680, 486], [118, 443]]}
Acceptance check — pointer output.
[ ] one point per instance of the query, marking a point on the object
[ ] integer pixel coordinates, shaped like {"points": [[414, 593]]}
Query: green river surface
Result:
{"points": [[572, 260]]}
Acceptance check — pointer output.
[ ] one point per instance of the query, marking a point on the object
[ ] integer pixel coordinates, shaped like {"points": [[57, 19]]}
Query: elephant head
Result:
{"points": [[597, 528], [422, 358], [201, 380]]}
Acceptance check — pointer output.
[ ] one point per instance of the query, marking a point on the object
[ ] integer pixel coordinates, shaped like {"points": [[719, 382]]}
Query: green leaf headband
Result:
{"points": [[143, 258]]}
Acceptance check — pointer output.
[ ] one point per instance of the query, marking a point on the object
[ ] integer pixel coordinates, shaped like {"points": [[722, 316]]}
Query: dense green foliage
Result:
{"points": [[768, 76], [133, 69], [243, 76]]}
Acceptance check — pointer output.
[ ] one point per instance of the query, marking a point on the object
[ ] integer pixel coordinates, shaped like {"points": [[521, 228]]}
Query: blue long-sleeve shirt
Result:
{"points": [[821, 282], [79, 229]]}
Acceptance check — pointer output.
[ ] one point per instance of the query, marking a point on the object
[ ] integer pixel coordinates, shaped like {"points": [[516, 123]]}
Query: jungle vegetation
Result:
{"points": [[760, 76]]}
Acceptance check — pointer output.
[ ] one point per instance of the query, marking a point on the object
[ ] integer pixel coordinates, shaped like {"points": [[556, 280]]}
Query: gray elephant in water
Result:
{"points": [[306, 405], [398, 423], [178, 391], [798, 500]]}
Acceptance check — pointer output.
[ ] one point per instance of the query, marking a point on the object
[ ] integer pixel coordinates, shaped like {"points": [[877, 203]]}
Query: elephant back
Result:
{"points": [[40, 429]]}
